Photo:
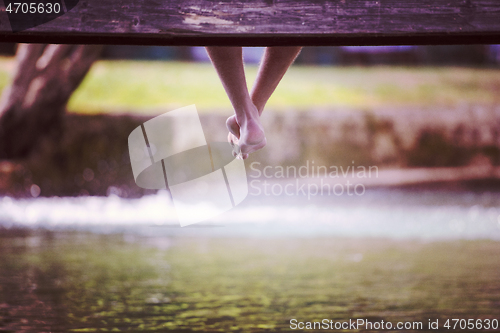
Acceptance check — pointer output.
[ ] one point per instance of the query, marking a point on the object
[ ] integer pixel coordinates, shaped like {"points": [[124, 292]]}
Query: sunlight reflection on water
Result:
{"points": [[378, 213]]}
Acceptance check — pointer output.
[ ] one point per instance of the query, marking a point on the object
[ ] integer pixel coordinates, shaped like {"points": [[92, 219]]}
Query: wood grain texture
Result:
{"points": [[269, 22]]}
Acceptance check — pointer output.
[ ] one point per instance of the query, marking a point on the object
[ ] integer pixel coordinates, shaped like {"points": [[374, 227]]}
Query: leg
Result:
{"points": [[228, 63], [274, 64]]}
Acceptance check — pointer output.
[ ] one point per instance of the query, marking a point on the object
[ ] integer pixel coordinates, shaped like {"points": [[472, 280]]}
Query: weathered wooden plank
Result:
{"points": [[264, 22]]}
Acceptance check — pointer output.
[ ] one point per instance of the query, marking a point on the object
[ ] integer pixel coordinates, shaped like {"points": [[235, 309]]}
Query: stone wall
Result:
{"points": [[397, 137]]}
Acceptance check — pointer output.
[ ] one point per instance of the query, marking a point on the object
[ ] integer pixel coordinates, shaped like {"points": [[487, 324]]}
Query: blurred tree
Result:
{"points": [[33, 105]]}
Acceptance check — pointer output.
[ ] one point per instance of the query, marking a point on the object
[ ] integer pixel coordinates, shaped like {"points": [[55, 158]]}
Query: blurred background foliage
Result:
{"points": [[128, 80]]}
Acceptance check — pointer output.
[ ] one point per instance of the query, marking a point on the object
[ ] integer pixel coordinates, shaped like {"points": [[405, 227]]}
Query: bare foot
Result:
{"points": [[247, 133], [252, 137], [233, 140]]}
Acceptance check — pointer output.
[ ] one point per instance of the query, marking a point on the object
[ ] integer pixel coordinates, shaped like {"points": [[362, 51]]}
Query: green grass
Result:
{"points": [[149, 87], [86, 283], [6, 70]]}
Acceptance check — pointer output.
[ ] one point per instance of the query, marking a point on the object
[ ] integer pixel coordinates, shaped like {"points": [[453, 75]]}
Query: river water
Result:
{"points": [[391, 213]]}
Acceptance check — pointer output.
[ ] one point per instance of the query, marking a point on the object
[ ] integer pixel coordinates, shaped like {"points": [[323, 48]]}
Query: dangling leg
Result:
{"points": [[274, 64], [228, 62]]}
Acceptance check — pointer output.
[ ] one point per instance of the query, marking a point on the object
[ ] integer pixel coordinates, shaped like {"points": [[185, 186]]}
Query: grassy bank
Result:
{"points": [[141, 86], [86, 283]]}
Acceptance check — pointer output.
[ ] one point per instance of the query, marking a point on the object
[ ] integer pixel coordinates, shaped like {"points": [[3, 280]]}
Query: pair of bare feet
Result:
{"points": [[246, 133], [245, 129]]}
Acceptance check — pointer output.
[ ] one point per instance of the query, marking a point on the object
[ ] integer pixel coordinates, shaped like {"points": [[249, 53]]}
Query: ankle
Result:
{"points": [[250, 113], [259, 104]]}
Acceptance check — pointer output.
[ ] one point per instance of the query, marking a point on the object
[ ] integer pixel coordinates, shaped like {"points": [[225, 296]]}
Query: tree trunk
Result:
{"points": [[33, 105]]}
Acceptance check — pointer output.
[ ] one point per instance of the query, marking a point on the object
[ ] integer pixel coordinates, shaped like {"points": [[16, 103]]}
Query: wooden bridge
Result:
{"points": [[251, 23]]}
